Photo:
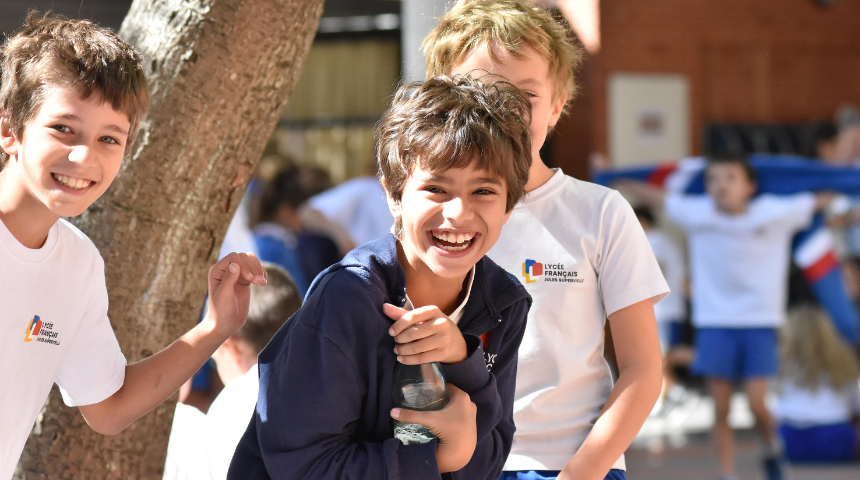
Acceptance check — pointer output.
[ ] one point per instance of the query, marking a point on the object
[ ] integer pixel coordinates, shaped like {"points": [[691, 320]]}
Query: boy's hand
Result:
{"points": [[230, 289], [425, 335], [455, 426]]}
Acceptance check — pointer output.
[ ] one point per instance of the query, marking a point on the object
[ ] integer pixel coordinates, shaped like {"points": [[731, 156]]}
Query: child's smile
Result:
{"points": [[72, 185], [68, 154], [450, 219], [452, 241]]}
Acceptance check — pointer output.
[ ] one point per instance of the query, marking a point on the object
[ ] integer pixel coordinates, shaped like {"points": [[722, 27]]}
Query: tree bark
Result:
{"points": [[220, 73]]}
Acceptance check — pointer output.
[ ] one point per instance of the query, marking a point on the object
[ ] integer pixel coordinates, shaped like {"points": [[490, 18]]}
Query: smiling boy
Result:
{"points": [[71, 101], [453, 155], [580, 252]]}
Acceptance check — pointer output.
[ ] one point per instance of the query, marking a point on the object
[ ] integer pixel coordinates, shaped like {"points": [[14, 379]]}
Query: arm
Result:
{"points": [[465, 367], [152, 380], [495, 401], [634, 332], [311, 401], [823, 199], [320, 391], [650, 195]]}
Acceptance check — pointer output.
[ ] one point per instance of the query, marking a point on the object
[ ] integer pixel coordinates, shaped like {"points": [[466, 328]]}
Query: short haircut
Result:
{"points": [[55, 51], [271, 306], [744, 163], [508, 24], [454, 122]]}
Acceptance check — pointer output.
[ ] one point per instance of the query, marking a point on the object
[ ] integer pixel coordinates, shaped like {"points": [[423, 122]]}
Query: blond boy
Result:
{"points": [[581, 254]]}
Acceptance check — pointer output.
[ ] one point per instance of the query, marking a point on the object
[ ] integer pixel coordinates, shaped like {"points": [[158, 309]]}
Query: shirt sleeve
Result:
{"points": [[94, 368], [627, 271], [683, 210], [797, 210]]}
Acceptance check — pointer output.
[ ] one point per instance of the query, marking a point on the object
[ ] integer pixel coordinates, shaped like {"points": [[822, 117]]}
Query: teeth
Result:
{"points": [[71, 182], [451, 237]]}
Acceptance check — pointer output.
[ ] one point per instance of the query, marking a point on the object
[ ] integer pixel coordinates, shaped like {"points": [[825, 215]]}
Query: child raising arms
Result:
{"points": [[579, 251]]}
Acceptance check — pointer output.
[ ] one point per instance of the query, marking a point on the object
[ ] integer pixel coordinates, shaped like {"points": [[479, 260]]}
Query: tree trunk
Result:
{"points": [[220, 73]]}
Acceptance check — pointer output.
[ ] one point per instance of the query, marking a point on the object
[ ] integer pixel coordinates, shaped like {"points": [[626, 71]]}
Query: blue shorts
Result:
{"points": [[827, 443], [613, 474], [736, 353]]}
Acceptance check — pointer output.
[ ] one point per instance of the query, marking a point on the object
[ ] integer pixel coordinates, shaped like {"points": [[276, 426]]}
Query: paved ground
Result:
{"points": [[696, 460], [677, 446]]}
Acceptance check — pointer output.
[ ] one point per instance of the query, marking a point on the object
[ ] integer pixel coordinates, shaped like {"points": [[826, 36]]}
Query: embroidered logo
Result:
{"points": [[41, 332], [531, 269], [551, 272], [489, 358]]}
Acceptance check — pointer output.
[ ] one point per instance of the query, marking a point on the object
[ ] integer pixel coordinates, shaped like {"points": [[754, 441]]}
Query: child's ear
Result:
{"points": [[7, 140], [557, 108], [393, 206], [508, 215]]}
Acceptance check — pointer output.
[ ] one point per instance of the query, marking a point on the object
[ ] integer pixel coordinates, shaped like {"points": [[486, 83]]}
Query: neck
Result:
{"points": [[539, 174], [426, 288], [735, 209], [25, 217]]}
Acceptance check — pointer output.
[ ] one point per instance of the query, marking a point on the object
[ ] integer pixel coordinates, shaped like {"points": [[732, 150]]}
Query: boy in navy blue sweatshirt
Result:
{"points": [[454, 155]]}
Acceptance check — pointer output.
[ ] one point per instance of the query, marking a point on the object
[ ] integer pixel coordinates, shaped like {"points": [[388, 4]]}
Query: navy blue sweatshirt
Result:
{"points": [[325, 378]]}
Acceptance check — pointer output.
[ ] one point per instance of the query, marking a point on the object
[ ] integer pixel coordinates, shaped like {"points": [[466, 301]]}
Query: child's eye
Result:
{"points": [[531, 94], [433, 190], [61, 128], [485, 191], [110, 140]]}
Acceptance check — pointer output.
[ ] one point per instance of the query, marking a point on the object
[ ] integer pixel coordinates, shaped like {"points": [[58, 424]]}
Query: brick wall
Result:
{"points": [[746, 61]]}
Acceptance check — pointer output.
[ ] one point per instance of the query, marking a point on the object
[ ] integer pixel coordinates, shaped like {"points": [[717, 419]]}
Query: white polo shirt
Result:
{"points": [[53, 329], [582, 255]]}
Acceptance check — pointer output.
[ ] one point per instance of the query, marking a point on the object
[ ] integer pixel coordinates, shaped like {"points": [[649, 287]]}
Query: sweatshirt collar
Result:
{"points": [[493, 289]]}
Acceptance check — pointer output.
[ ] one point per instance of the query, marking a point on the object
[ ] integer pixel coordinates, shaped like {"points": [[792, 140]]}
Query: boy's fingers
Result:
{"points": [[417, 331], [231, 276], [413, 416], [251, 269], [414, 317], [419, 358], [416, 347], [393, 312]]}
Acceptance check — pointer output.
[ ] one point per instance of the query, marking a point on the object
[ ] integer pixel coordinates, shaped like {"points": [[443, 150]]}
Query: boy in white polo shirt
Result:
{"points": [[72, 98], [579, 251], [739, 256]]}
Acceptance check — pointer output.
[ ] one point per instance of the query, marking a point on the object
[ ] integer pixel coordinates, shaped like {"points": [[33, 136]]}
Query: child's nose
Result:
{"points": [[457, 208], [80, 154]]}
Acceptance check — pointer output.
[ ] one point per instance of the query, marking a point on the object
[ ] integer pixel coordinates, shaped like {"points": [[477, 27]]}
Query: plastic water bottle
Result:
{"points": [[417, 387]]}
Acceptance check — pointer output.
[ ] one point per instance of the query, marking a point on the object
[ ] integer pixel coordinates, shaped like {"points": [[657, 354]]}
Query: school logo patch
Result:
{"points": [[41, 332], [551, 272]]}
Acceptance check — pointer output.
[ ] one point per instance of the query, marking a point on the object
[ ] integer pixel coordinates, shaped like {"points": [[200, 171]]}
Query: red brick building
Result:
{"points": [[766, 61]]}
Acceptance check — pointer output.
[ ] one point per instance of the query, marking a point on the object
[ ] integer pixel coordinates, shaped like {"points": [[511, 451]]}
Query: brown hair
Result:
{"points": [[728, 159], [55, 51], [453, 122], [509, 24], [810, 348], [271, 306]]}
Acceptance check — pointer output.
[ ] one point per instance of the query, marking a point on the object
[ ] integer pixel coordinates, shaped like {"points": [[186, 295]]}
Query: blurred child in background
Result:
{"points": [[279, 230], [201, 446], [818, 404]]}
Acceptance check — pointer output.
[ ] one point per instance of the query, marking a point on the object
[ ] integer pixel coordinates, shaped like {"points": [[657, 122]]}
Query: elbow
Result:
{"points": [[107, 427]]}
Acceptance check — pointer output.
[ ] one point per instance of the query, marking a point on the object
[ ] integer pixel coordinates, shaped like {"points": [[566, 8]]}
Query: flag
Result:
{"points": [[812, 249]]}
